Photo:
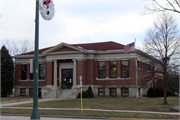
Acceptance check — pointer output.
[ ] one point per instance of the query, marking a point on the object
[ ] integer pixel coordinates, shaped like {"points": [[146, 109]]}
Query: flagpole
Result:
{"points": [[136, 71]]}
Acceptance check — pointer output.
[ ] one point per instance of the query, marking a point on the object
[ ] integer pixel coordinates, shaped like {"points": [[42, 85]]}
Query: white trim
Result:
{"points": [[118, 78], [29, 80], [61, 45], [23, 80], [39, 80], [124, 59]]}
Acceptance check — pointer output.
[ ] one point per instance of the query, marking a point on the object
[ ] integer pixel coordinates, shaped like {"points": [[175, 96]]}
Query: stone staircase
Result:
{"points": [[64, 94], [50, 94]]}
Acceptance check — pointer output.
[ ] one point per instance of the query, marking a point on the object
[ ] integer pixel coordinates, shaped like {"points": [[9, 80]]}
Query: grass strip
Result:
{"points": [[90, 113], [145, 104]]}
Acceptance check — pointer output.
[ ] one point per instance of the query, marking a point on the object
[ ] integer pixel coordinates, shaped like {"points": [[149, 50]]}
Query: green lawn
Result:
{"points": [[91, 114], [146, 104], [15, 99]]}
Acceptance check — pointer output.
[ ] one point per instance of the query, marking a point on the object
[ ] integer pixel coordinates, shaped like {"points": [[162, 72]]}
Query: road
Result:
{"points": [[42, 118], [53, 118]]}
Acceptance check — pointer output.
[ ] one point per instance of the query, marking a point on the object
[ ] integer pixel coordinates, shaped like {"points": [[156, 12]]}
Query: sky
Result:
{"points": [[76, 21]]}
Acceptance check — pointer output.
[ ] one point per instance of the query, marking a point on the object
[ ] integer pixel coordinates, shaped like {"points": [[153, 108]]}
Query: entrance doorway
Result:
{"points": [[67, 78]]}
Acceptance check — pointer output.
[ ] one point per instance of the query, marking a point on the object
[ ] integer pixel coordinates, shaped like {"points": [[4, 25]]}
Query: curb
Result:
{"points": [[84, 117]]}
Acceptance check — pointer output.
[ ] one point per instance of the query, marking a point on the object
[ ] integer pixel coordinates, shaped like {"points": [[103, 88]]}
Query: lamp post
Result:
{"points": [[47, 12], [35, 111]]}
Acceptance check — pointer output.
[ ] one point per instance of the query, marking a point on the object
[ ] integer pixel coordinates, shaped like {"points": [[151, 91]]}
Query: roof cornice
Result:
{"points": [[60, 46]]}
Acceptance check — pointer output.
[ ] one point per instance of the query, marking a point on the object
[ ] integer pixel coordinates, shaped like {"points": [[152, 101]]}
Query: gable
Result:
{"points": [[64, 49]]}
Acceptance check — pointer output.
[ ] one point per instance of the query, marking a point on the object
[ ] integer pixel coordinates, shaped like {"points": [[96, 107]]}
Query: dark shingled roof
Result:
{"points": [[101, 46]]}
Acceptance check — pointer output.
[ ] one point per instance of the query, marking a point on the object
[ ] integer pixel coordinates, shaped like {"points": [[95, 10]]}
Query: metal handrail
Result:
{"points": [[59, 92]]}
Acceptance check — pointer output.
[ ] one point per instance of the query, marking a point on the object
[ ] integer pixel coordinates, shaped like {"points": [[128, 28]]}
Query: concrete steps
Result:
{"points": [[50, 94], [65, 94]]}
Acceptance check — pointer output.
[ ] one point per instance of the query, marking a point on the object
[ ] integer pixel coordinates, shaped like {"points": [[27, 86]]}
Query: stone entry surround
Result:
{"points": [[63, 66]]}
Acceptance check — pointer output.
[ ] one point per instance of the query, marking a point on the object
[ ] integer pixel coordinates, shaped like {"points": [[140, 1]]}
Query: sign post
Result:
{"points": [[81, 95]]}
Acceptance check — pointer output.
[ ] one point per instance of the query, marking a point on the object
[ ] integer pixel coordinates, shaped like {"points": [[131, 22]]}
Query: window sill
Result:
{"points": [[24, 80], [38, 80], [28, 80], [118, 78]]}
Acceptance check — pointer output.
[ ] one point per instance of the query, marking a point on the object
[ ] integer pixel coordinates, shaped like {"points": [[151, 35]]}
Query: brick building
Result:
{"points": [[103, 66]]}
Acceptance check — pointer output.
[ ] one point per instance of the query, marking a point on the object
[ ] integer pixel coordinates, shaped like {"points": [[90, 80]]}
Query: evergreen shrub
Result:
{"points": [[158, 92], [151, 92]]}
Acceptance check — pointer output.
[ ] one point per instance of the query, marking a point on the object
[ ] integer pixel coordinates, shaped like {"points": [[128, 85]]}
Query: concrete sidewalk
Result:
{"points": [[26, 102]]}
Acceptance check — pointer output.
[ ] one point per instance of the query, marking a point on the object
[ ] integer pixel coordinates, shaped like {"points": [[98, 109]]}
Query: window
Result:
{"points": [[22, 91], [148, 67], [41, 71], [31, 76], [113, 92], [23, 72], [113, 69], [101, 92], [141, 65], [124, 92], [144, 66], [102, 69], [30, 91], [125, 69]]}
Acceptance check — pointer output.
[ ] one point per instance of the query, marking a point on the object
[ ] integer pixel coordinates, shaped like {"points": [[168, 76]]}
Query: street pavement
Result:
{"points": [[41, 118], [66, 118]]}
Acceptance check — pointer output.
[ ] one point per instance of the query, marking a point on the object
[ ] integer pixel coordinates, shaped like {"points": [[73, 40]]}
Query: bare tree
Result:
{"points": [[163, 43], [162, 5], [18, 47]]}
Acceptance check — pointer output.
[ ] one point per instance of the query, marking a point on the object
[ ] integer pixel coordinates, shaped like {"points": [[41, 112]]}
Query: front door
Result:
{"points": [[67, 78]]}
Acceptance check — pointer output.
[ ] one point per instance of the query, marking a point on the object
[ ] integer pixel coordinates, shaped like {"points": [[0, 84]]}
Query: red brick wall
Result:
{"points": [[96, 70], [90, 72], [132, 74], [132, 70], [17, 73], [28, 71], [49, 73], [81, 71], [18, 77]]}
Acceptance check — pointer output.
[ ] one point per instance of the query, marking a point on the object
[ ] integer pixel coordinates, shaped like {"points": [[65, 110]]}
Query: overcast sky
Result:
{"points": [[76, 21]]}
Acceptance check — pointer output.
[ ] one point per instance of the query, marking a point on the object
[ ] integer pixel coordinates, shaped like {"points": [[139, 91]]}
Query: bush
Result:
{"points": [[90, 93], [170, 93], [151, 92], [84, 94], [158, 92]]}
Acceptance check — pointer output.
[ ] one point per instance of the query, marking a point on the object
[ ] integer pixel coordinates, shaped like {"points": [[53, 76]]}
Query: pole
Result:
{"points": [[136, 73], [35, 111], [81, 95]]}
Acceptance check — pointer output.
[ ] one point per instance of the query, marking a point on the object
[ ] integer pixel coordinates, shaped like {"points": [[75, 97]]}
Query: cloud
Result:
{"points": [[76, 22]]}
